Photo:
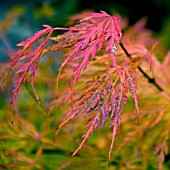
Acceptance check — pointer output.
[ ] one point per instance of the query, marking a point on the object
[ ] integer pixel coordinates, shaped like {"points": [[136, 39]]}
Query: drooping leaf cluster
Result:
{"points": [[103, 75]]}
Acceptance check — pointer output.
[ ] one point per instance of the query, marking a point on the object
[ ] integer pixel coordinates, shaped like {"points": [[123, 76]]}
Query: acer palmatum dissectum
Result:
{"points": [[93, 34], [103, 100], [31, 57]]}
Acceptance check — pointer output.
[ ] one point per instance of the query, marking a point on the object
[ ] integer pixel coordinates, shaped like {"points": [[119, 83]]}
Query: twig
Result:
{"points": [[150, 80]]}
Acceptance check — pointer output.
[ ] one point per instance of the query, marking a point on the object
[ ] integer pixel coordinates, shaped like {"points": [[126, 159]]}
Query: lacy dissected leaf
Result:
{"points": [[93, 33], [89, 36], [103, 100], [31, 58]]}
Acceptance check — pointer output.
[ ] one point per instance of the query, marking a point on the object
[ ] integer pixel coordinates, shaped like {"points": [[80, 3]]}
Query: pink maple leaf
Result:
{"points": [[92, 34], [32, 56]]}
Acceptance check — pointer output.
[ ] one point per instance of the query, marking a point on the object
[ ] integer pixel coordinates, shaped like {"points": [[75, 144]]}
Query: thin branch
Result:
{"points": [[124, 49], [150, 80]]}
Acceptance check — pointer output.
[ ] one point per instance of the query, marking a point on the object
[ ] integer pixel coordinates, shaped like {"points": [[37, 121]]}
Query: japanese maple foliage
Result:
{"points": [[93, 39], [31, 58]]}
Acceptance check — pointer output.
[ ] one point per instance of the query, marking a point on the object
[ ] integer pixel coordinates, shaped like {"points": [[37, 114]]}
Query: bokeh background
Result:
{"points": [[20, 19], [29, 145]]}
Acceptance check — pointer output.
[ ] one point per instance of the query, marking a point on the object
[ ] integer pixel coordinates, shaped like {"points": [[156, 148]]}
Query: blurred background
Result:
{"points": [[30, 144], [20, 19]]}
